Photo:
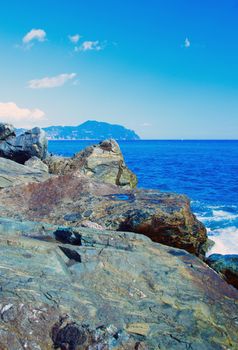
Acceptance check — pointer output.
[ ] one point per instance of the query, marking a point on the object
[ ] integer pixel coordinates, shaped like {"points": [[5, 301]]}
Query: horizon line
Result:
{"points": [[179, 139]]}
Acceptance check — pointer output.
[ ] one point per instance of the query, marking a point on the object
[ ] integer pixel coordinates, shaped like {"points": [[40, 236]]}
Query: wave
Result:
{"points": [[225, 239], [221, 222], [217, 215]]}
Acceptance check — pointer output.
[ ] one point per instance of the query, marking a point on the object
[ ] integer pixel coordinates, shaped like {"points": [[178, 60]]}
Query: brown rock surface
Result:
{"points": [[71, 199]]}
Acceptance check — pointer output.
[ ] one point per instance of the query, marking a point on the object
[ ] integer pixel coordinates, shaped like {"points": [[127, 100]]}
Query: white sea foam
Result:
{"points": [[226, 241], [223, 215], [218, 215]]}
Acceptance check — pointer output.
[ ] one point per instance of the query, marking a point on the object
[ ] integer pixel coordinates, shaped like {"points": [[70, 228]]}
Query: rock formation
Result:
{"points": [[21, 148], [225, 265], [103, 162], [77, 277], [6, 131], [71, 288], [12, 174], [71, 199], [36, 163]]}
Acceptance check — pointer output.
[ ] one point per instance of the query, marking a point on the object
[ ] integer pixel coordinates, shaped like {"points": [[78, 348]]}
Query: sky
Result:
{"points": [[167, 69]]}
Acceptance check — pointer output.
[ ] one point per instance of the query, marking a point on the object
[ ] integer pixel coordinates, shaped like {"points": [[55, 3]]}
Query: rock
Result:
{"points": [[36, 163], [138, 328], [59, 165], [164, 217], [226, 265], [12, 174], [23, 147], [125, 292], [6, 131], [103, 162]]}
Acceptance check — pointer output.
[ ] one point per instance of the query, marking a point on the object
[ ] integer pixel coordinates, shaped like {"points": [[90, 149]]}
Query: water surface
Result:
{"points": [[206, 171]]}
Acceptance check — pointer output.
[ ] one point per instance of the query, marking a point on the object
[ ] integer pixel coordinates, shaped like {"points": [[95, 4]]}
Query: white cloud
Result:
{"points": [[50, 82], [187, 43], [23, 117], [74, 38], [89, 46], [34, 34]]}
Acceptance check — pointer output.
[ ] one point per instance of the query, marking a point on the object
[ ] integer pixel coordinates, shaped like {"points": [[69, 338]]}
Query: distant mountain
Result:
{"points": [[91, 130]]}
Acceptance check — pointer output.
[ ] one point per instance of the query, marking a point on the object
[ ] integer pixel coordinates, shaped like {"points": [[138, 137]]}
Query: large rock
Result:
{"points": [[12, 174], [23, 147], [58, 165], [6, 131], [103, 162], [75, 288], [36, 163], [70, 199], [226, 265]]}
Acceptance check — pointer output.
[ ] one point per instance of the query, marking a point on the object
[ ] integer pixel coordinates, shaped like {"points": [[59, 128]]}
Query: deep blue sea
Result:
{"points": [[206, 171]]}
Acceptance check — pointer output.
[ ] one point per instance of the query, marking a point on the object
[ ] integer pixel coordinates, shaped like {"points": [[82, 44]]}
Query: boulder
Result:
{"points": [[226, 265], [103, 162], [6, 131], [78, 288], [21, 148], [164, 217], [36, 163], [58, 165], [12, 174]]}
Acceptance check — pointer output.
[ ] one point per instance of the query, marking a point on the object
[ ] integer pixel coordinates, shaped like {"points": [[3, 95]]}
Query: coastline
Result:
{"points": [[97, 259]]}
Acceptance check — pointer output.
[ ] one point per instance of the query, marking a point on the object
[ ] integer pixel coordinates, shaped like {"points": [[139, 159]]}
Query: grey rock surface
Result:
{"points": [[36, 163], [12, 174], [6, 131], [226, 265], [21, 148], [140, 294]]}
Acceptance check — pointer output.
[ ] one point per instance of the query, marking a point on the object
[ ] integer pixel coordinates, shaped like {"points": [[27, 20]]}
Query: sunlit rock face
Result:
{"points": [[103, 162]]}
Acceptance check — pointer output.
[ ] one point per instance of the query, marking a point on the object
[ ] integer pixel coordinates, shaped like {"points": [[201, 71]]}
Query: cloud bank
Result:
{"points": [[23, 117], [50, 82]]}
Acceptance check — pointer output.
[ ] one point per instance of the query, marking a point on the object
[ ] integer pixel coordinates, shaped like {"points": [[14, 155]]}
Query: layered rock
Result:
{"points": [[226, 265], [12, 174], [21, 148], [119, 291], [36, 163], [103, 162], [70, 199]]}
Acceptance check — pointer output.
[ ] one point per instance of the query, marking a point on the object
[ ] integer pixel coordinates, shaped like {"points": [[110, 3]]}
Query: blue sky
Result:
{"points": [[167, 69]]}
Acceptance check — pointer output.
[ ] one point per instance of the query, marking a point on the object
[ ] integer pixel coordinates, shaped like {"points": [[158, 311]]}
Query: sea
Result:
{"points": [[205, 171]]}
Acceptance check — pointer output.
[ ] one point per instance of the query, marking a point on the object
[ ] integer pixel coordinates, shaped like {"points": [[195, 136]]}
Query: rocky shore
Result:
{"points": [[88, 261]]}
